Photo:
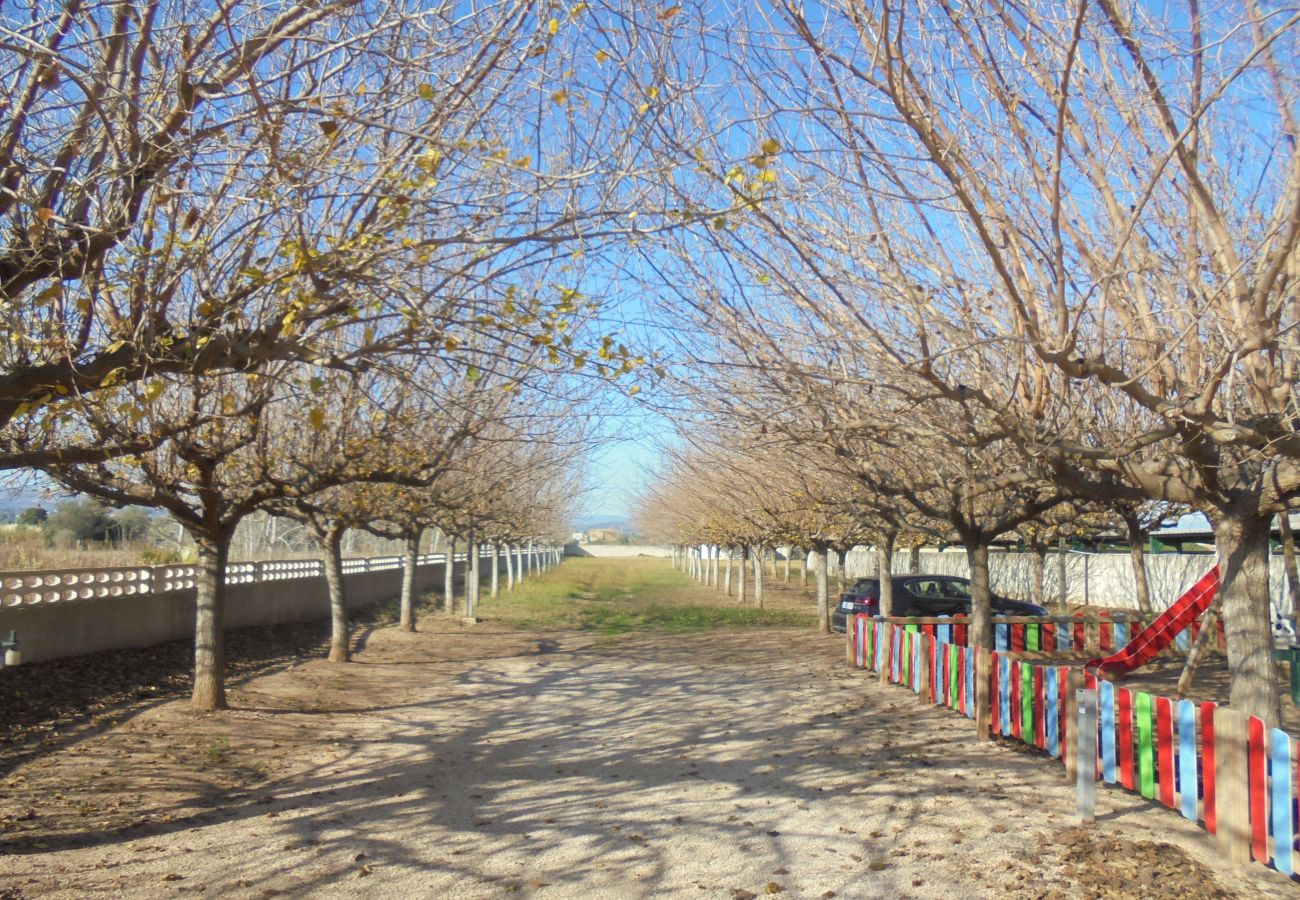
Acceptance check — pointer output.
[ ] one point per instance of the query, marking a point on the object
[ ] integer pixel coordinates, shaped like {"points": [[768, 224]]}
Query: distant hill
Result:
{"points": [[596, 520]]}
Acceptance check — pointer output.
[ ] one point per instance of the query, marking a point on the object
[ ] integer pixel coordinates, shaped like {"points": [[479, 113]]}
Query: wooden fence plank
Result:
{"points": [[1005, 693], [1040, 704], [1165, 749], [1146, 756], [1026, 703], [1283, 801], [1208, 712], [986, 698], [1124, 698], [1188, 782], [1257, 773], [1106, 703], [1070, 721], [1232, 800], [1052, 712]]}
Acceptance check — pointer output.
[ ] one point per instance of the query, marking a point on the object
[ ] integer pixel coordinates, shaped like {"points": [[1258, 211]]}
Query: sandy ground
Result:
{"points": [[470, 763]]}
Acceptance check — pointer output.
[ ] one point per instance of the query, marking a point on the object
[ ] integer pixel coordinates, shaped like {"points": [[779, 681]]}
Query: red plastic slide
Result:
{"points": [[1161, 633]]}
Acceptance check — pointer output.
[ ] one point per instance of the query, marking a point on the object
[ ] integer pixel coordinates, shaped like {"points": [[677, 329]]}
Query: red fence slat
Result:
{"points": [[1165, 749], [1257, 773], [1207, 765], [1125, 702]]}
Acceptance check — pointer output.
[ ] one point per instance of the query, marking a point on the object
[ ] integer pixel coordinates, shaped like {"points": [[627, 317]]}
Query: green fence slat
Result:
{"points": [[1033, 637], [954, 671], [1146, 751], [1027, 704]]}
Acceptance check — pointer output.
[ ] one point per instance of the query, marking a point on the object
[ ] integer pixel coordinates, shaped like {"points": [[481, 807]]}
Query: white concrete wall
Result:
{"points": [[52, 624], [1101, 579], [614, 550]]}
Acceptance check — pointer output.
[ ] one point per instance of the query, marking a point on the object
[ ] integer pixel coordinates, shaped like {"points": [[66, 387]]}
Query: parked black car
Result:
{"points": [[922, 595]]}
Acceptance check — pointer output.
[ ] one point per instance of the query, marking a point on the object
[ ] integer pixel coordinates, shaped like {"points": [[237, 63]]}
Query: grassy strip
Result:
{"points": [[615, 596]]}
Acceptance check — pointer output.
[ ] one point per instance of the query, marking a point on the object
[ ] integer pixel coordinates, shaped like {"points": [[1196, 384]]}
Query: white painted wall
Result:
{"points": [[1102, 579], [613, 550]]}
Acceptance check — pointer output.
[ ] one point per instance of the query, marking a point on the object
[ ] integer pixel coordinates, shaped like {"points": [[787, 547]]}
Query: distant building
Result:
{"points": [[603, 536]]}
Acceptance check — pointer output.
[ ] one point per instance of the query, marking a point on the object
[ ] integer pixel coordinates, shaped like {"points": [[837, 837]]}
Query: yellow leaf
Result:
{"points": [[665, 14], [425, 91], [642, 108], [601, 56], [153, 390], [316, 418], [770, 146], [451, 344], [553, 26], [652, 92]]}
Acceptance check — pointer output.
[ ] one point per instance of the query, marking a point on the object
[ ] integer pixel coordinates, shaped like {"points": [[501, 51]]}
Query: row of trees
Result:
{"points": [[317, 260], [987, 268]]}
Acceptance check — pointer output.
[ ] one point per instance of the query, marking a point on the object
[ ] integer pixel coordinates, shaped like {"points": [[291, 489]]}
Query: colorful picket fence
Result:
{"points": [[1074, 635], [1232, 775]]}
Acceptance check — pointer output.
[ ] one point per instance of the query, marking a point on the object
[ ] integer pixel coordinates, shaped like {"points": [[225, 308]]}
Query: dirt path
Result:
{"points": [[469, 764]]}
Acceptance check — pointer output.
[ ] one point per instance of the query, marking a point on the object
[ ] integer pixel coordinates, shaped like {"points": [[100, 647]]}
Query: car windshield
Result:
{"points": [[864, 586]]}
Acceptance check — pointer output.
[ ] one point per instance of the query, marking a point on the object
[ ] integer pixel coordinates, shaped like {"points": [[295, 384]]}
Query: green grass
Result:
{"points": [[616, 596]]}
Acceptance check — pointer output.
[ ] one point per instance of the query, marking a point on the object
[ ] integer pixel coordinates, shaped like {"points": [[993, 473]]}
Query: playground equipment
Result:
{"points": [[1161, 633]]}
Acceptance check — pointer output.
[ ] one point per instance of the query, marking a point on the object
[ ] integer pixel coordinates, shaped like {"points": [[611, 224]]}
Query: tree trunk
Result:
{"points": [[744, 558], [885, 572], [209, 621], [803, 570], [1136, 540], [1242, 545], [510, 567], [449, 577], [758, 578], [727, 577], [981, 618], [1062, 591], [1206, 636], [823, 599], [331, 542], [789, 552], [496, 566], [1288, 561], [914, 560], [842, 563], [1038, 584], [472, 572], [410, 560]]}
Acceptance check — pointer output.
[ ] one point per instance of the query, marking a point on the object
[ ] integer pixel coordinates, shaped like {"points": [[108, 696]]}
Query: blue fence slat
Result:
{"points": [[1279, 751], [1004, 695], [1064, 637], [1188, 782], [944, 632], [1106, 707], [1053, 719], [1121, 634], [970, 683], [918, 664], [1001, 638]]}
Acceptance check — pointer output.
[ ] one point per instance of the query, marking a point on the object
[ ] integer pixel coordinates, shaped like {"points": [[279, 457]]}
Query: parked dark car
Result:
{"points": [[922, 595]]}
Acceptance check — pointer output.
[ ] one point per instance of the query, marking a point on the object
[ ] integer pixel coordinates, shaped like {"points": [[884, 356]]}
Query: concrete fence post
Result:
{"points": [[1085, 743]]}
